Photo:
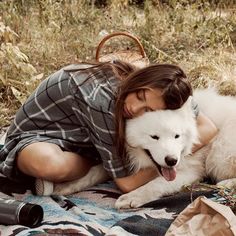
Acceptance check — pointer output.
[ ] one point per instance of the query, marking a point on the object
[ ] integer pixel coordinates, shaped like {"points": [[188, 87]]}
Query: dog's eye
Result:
{"points": [[154, 137], [177, 136]]}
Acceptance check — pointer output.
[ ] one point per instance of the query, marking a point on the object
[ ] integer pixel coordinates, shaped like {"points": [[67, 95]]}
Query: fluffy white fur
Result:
{"points": [[221, 159], [169, 136], [217, 160]]}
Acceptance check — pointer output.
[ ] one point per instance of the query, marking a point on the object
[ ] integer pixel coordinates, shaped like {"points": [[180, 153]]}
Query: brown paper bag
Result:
{"points": [[203, 217]]}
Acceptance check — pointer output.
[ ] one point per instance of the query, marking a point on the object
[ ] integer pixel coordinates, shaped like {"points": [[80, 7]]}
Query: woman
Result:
{"points": [[75, 119]]}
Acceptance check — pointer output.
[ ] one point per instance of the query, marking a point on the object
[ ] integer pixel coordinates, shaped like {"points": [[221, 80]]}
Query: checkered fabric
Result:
{"points": [[73, 109]]}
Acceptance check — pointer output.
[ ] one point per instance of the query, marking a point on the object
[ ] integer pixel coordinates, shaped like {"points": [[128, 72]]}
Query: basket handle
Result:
{"points": [[102, 42]]}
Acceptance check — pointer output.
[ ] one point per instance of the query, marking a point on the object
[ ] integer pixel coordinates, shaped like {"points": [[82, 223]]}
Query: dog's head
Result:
{"points": [[161, 138]]}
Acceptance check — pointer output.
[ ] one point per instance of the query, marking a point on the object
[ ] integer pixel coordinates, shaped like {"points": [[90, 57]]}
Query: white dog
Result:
{"points": [[164, 139], [167, 137]]}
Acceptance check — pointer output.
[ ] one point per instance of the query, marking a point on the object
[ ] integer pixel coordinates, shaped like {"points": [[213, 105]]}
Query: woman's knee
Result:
{"points": [[42, 160]]}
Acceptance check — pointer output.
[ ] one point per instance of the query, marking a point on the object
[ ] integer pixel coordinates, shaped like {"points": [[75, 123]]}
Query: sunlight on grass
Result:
{"points": [[38, 37]]}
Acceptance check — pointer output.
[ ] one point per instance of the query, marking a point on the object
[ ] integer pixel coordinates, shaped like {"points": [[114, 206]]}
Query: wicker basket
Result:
{"points": [[135, 57]]}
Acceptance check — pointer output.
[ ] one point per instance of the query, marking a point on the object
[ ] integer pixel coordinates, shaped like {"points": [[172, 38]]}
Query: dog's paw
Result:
{"points": [[228, 183], [126, 201]]}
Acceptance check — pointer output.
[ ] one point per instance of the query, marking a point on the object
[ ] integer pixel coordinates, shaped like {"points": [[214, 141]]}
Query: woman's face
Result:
{"points": [[143, 100]]}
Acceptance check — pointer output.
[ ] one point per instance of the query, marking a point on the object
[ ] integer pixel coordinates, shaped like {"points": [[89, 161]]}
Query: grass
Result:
{"points": [[38, 37]]}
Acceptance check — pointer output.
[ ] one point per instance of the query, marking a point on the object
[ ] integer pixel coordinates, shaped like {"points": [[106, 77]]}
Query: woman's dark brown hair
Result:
{"points": [[170, 79]]}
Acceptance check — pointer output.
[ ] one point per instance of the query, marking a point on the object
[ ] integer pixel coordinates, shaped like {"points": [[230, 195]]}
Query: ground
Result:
{"points": [[38, 37]]}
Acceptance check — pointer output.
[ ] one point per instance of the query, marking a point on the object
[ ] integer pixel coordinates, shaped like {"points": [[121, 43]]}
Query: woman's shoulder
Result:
{"points": [[76, 67], [97, 88]]}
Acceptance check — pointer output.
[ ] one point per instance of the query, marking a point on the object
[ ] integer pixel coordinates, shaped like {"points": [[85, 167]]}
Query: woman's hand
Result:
{"points": [[206, 129], [143, 176]]}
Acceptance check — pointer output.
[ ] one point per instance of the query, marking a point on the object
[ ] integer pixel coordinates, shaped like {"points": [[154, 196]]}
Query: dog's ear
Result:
{"points": [[186, 108], [190, 124], [188, 103]]}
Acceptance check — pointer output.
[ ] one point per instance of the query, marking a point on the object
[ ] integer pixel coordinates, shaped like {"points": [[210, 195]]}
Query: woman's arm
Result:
{"points": [[143, 176], [206, 129]]}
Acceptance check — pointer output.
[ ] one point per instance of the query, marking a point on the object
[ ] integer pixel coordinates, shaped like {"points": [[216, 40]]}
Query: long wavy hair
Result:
{"points": [[170, 79]]}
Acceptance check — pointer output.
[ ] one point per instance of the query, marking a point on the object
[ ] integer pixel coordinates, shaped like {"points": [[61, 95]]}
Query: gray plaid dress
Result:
{"points": [[73, 109]]}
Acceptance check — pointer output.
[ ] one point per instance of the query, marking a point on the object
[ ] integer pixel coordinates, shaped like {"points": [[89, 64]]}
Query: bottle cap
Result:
{"points": [[30, 215]]}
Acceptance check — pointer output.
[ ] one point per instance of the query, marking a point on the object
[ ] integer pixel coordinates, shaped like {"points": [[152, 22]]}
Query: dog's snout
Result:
{"points": [[170, 161]]}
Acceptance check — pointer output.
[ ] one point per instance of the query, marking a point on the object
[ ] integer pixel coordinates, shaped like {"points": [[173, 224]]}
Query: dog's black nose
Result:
{"points": [[170, 161]]}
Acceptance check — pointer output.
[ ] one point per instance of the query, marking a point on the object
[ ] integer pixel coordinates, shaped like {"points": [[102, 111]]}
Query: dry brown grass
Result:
{"points": [[44, 35]]}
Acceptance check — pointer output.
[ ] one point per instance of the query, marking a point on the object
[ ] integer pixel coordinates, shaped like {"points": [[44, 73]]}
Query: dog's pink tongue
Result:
{"points": [[169, 173]]}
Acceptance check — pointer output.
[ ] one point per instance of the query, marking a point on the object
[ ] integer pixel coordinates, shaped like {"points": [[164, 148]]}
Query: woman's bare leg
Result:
{"points": [[47, 161]]}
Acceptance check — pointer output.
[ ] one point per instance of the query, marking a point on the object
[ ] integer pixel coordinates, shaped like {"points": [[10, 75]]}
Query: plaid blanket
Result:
{"points": [[92, 212]]}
